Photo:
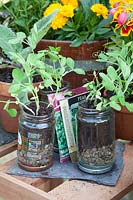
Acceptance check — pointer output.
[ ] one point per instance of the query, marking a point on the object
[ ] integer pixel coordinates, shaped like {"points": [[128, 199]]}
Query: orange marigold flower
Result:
{"points": [[100, 9], [67, 11], [74, 3]]}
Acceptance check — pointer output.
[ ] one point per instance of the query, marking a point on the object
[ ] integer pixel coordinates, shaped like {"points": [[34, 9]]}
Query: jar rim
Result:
{"points": [[93, 111]]}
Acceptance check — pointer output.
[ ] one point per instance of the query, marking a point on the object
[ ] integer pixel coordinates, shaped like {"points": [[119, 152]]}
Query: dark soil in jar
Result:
{"points": [[89, 104], [44, 109]]}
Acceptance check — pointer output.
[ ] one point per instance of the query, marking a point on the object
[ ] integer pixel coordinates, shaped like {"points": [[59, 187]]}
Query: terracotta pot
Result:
{"points": [[9, 124], [124, 124], [83, 55]]}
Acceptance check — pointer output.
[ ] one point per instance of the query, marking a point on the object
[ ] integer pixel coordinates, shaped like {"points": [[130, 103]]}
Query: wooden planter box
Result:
{"points": [[24, 188]]}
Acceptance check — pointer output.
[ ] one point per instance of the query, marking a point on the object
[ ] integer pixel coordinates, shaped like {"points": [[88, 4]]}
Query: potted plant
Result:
{"points": [[36, 122], [118, 82], [95, 131], [35, 142], [119, 77], [12, 43], [78, 39]]}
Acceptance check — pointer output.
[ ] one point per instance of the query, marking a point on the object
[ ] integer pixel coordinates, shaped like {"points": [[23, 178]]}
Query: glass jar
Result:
{"points": [[35, 140], [96, 139]]}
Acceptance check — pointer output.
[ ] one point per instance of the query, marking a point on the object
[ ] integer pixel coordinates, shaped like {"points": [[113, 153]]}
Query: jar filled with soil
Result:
{"points": [[36, 138], [96, 139]]}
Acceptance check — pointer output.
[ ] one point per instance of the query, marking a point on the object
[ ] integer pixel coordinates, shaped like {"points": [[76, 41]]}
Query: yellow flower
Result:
{"points": [[61, 17], [74, 3], [59, 21], [51, 8], [100, 9], [130, 1], [67, 11]]}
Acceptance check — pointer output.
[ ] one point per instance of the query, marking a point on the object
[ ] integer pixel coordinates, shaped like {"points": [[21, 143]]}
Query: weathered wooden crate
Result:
{"points": [[22, 188]]}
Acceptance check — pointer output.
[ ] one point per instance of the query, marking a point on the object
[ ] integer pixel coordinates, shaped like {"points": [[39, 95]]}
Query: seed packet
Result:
{"points": [[65, 116]]}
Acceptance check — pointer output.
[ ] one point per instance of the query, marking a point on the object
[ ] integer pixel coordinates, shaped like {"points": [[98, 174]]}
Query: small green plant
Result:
{"points": [[22, 85], [95, 97], [119, 77], [55, 67], [118, 80]]}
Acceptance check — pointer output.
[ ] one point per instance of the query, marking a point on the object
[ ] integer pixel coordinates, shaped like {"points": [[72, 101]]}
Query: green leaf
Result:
{"points": [[20, 36], [14, 89], [125, 68], [112, 73], [102, 57], [128, 82], [70, 62], [18, 75], [101, 31], [129, 106], [99, 106], [115, 105], [6, 34], [12, 112], [77, 42], [122, 99], [107, 83], [17, 58]]}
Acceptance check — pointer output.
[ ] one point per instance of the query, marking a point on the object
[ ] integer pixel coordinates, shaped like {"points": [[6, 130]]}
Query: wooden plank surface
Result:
{"points": [[44, 183], [10, 189], [7, 148], [77, 190], [31, 181]]}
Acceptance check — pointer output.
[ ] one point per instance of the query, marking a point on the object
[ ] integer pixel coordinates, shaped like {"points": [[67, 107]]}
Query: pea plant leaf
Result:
{"points": [[107, 82]]}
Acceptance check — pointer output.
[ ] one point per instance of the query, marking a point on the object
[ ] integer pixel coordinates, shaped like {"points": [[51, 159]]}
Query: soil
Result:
{"points": [[88, 105], [6, 76], [95, 138], [36, 136], [43, 110]]}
